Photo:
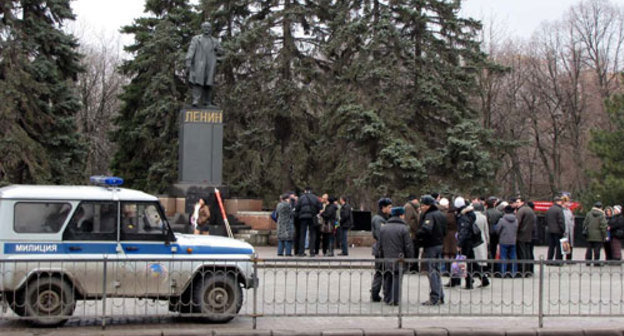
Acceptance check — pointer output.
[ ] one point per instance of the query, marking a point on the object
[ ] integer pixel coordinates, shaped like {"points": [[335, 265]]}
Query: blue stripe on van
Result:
{"points": [[111, 248]]}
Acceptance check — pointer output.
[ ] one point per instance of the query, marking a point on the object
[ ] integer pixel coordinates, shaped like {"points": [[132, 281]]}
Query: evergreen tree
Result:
{"points": [[264, 91], [607, 183], [38, 67], [410, 66], [146, 138]]}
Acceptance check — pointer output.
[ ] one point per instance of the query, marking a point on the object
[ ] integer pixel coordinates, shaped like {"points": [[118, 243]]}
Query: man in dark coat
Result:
{"points": [[394, 242], [555, 221], [346, 223], [307, 208], [493, 215], [431, 234], [201, 63], [385, 207], [412, 219], [524, 244]]}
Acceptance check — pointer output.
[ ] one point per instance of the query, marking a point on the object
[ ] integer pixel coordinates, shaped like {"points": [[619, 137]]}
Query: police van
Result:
{"points": [[63, 245]]}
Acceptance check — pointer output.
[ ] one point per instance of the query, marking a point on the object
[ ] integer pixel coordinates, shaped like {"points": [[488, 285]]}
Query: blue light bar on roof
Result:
{"points": [[109, 181]]}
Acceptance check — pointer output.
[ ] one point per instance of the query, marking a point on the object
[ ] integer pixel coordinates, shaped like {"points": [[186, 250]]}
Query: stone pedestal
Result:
{"points": [[201, 161], [201, 146]]}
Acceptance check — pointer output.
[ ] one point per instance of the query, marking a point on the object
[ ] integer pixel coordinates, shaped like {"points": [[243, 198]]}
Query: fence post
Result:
{"points": [[255, 291], [105, 267], [400, 293], [541, 293]]}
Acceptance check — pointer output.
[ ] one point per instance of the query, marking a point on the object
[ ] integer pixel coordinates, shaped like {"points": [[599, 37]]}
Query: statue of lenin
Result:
{"points": [[201, 63]]}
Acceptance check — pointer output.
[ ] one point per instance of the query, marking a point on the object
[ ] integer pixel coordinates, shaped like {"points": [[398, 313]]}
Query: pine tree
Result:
{"points": [[409, 68], [147, 133], [38, 67], [264, 91]]}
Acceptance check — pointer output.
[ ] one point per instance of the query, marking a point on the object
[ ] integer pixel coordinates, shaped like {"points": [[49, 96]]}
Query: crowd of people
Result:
{"points": [[483, 229], [312, 222], [433, 227]]}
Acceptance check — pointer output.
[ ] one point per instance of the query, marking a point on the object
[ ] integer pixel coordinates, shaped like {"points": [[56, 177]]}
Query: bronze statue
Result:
{"points": [[201, 64]]}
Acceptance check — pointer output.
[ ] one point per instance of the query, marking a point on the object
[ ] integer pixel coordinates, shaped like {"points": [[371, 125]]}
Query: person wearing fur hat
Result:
{"points": [[394, 242], [431, 233], [595, 225]]}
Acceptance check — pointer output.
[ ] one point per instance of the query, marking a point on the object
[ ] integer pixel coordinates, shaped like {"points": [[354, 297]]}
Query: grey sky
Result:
{"points": [[519, 18]]}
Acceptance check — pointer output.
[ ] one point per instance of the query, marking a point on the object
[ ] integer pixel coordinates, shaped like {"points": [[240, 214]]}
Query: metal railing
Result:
{"points": [[49, 292]]}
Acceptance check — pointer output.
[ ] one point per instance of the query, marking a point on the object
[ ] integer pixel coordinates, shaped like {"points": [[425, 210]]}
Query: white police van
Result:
{"points": [[60, 245]]}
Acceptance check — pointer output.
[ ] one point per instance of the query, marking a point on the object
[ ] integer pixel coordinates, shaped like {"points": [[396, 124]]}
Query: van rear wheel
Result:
{"points": [[218, 297], [48, 301]]}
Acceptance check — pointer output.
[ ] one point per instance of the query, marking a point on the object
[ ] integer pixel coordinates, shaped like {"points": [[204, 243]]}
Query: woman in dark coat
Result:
{"points": [[329, 216], [616, 230]]}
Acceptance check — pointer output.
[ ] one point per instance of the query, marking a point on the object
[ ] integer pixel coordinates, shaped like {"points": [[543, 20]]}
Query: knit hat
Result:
{"points": [[397, 211], [427, 200], [598, 205], [444, 202], [460, 202], [617, 208]]}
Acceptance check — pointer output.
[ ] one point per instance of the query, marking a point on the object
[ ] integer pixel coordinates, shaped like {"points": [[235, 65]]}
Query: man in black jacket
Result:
{"points": [[346, 223], [431, 235], [307, 208], [394, 242], [524, 245], [555, 221]]}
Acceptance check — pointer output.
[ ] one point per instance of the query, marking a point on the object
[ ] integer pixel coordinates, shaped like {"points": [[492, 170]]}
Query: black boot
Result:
{"points": [[484, 281], [454, 282]]}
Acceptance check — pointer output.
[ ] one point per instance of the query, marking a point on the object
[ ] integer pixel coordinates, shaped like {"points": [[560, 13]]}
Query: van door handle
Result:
{"points": [[75, 248], [132, 248]]}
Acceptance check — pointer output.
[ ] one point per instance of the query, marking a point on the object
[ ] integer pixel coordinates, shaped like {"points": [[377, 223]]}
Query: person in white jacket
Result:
{"points": [[481, 250], [568, 216]]}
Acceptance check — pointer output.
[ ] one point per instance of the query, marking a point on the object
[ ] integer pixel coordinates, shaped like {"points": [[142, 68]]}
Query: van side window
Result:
{"points": [[141, 221], [40, 217], [93, 221]]}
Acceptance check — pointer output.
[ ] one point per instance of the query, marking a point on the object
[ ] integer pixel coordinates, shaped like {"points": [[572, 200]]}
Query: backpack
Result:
{"points": [[477, 239]]}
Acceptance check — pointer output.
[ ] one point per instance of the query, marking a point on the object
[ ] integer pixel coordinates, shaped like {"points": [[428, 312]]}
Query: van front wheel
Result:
{"points": [[219, 297]]}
